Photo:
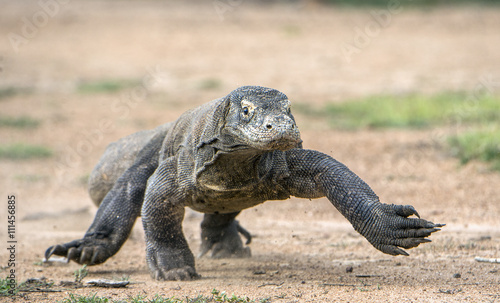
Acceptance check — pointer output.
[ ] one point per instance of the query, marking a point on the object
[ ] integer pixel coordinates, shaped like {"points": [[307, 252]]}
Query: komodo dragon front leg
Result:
{"points": [[116, 214], [386, 226], [167, 252]]}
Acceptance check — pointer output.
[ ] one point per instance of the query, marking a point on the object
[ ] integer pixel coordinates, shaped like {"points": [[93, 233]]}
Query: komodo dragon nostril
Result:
{"points": [[269, 126]]}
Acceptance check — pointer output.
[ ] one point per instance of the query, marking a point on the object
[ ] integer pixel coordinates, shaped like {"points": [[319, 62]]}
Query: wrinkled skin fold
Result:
{"points": [[220, 158]]}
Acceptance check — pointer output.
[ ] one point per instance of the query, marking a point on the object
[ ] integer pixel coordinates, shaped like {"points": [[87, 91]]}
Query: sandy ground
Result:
{"points": [[180, 56]]}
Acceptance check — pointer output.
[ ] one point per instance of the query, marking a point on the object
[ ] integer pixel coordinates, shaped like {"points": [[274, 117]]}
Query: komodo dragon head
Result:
{"points": [[260, 118]]}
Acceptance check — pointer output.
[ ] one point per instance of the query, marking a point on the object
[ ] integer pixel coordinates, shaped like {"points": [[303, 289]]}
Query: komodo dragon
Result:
{"points": [[220, 158]]}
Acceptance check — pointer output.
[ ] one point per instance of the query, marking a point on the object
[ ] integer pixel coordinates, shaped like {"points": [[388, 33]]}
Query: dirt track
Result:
{"points": [[180, 56]]}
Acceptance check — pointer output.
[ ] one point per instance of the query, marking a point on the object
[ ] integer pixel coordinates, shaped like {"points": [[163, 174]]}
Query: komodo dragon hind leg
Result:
{"points": [[116, 214], [220, 233]]}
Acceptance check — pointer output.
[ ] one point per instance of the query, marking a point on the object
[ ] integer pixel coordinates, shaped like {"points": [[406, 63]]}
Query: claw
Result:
{"points": [[402, 252], [73, 255], [406, 210], [203, 252], [428, 224], [94, 258], [245, 233], [86, 255], [412, 242], [58, 250], [49, 252], [186, 273], [393, 250], [157, 276], [216, 249]]}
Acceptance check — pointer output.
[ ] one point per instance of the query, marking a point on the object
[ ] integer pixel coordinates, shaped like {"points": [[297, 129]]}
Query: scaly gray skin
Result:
{"points": [[220, 158]]}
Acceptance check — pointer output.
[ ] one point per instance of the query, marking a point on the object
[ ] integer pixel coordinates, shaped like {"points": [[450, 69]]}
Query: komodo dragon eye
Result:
{"points": [[247, 108]]}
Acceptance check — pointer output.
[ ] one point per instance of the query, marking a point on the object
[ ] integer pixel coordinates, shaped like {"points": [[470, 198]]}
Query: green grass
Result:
{"points": [[23, 151], [84, 179], [413, 111], [72, 298], [28, 285], [480, 113], [210, 84], [19, 122], [481, 144], [81, 273], [7, 92], [5, 287], [216, 296], [105, 86]]}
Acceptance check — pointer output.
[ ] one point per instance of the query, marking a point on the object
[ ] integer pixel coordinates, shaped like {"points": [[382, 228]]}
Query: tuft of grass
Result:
{"points": [[210, 83], [84, 180], [81, 273], [292, 30], [10, 287], [7, 92], [413, 111], [10, 91], [72, 298], [19, 122], [216, 296], [5, 287], [23, 151], [105, 86], [482, 144]]}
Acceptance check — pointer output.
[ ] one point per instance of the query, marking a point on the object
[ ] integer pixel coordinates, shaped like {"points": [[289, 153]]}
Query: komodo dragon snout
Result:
{"points": [[263, 123]]}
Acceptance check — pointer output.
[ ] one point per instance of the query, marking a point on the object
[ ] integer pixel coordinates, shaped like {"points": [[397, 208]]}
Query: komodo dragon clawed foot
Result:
{"points": [[390, 227], [170, 263], [224, 240], [89, 250]]}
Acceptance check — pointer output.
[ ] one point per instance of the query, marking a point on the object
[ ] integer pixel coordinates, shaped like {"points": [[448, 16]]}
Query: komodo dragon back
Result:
{"points": [[117, 158]]}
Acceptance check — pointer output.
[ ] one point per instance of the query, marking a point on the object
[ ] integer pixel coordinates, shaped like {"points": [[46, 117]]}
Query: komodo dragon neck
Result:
{"points": [[234, 170]]}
